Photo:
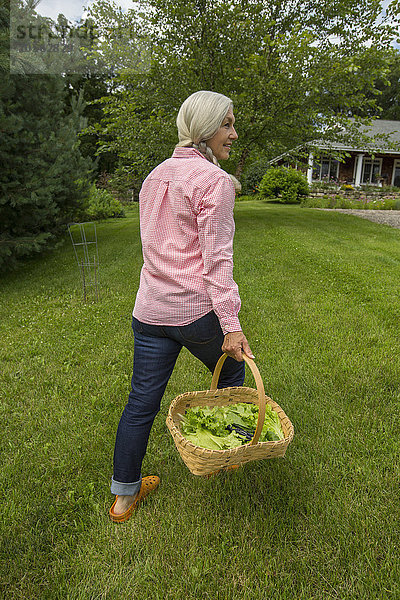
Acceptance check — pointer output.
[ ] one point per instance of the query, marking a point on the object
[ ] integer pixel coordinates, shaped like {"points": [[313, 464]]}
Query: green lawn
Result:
{"points": [[321, 309]]}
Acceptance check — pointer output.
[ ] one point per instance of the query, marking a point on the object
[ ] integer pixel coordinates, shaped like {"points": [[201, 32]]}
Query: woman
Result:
{"points": [[187, 295]]}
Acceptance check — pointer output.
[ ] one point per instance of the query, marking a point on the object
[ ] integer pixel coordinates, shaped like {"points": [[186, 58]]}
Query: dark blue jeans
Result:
{"points": [[156, 349]]}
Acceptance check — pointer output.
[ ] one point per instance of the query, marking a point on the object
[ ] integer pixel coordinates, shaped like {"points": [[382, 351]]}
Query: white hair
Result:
{"points": [[199, 118]]}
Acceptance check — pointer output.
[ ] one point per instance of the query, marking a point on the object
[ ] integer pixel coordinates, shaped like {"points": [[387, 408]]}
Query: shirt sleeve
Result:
{"points": [[216, 229]]}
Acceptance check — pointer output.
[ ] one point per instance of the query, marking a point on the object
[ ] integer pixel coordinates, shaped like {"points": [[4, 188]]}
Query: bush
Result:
{"points": [[102, 205], [333, 201], [384, 204], [285, 184], [324, 186], [341, 202], [323, 202], [252, 177], [125, 184]]}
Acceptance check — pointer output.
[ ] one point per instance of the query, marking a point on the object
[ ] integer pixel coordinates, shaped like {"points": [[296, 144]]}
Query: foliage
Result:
{"points": [[102, 205], [252, 176], [338, 201], [333, 201], [387, 93], [284, 184], [324, 186], [91, 87], [4, 38], [389, 100], [82, 75], [124, 184], [384, 204], [379, 190], [44, 179], [278, 63]]}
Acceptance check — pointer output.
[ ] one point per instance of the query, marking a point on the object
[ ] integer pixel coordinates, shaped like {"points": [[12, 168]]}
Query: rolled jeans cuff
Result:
{"points": [[125, 489]]}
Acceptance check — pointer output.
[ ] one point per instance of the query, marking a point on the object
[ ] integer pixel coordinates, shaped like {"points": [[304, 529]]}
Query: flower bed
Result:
{"points": [[324, 195]]}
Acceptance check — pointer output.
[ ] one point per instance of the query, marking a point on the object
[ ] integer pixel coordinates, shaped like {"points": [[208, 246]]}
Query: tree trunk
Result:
{"points": [[242, 160]]}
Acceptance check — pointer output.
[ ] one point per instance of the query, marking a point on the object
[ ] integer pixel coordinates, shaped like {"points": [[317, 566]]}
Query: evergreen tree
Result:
{"points": [[44, 180], [93, 86], [92, 81]]}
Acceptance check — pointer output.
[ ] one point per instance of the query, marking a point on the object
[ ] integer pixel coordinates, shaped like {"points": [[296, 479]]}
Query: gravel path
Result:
{"points": [[385, 217]]}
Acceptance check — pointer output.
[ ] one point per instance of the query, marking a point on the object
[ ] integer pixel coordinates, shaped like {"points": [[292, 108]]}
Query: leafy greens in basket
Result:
{"points": [[208, 427]]}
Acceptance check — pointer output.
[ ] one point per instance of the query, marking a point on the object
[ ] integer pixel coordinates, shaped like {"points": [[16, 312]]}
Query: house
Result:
{"points": [[374, 162]]}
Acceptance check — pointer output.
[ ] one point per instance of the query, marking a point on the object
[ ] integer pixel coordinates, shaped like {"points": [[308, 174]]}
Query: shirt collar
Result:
{"points": [[187, 152]]}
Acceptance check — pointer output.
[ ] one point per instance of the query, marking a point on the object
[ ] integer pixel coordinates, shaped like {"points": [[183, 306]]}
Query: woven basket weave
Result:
{"points": [[202, 461]]}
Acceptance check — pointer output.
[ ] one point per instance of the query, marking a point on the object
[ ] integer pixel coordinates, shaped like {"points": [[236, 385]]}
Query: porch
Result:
{"points": [[357, 169]]}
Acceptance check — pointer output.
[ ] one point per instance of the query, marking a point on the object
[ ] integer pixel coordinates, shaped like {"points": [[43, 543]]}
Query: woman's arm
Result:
{"points": [[216, 229]]}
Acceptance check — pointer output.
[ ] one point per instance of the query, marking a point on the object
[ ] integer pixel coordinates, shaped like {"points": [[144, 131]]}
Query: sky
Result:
{"points": [[74, 9], [71, 9]]}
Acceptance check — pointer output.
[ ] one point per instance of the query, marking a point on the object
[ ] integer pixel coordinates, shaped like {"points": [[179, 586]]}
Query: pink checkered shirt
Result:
{"points": [[187, 228]]}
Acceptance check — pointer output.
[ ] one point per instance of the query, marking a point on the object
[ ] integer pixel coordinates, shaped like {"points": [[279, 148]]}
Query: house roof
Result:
{"points": [[383, 133]]}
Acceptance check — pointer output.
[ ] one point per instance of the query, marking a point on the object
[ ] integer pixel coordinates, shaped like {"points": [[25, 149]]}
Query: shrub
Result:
{"points": [[324, 186], [125, 184], [285, 184], [384, 204], [252, 177], [341, 202], [312, 202], [102, 205]]}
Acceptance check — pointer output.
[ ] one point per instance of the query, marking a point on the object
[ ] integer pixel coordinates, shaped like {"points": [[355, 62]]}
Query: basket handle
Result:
{"points": [[260, 390]]}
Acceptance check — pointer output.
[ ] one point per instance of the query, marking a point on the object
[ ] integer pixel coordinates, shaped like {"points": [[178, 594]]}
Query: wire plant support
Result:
{"points": [[84, 241]]}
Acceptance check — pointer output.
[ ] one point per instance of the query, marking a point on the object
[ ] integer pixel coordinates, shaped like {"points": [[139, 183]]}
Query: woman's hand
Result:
{"points": [[235, 343]]}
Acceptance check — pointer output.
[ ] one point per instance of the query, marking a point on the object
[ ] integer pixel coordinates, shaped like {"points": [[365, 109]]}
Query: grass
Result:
{"points": [[320, 307]]}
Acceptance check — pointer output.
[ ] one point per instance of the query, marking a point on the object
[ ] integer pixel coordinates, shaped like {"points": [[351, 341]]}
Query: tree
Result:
{"points": [[291, 68], [92, 87], [44, 180], [388, 98], [90, 80]]}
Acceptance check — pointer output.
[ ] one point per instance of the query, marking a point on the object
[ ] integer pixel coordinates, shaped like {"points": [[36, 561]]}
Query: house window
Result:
{"points": [[326, 169], [396, 173], [371, 170]]}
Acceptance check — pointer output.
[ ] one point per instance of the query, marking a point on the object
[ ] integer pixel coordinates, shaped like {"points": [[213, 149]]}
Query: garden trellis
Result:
{"points": [[84, 241]]}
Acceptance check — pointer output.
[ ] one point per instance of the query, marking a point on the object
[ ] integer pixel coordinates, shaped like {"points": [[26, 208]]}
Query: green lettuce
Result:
{"points": [[207, 427], [205, 439]]}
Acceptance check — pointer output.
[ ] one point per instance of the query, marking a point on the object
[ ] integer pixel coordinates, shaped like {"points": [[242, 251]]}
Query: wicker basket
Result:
{"points": [[202, 461]]}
